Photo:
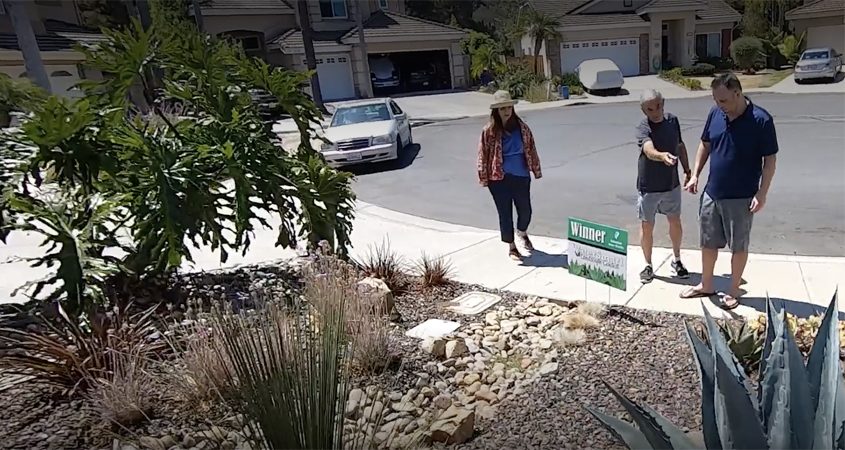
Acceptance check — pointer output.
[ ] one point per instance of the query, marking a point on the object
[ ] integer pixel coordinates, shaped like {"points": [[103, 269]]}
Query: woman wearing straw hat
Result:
{"points": [[507, 156]]}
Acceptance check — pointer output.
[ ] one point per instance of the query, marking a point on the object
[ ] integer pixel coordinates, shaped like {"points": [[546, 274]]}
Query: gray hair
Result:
{"points": [[649, 95]]}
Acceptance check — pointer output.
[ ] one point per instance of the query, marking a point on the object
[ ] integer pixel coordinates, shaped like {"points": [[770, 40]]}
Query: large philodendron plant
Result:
{"points": [[796, 406]]}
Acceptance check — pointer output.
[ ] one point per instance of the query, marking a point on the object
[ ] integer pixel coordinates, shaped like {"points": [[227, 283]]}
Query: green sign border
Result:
{"points": [[616, 239]]}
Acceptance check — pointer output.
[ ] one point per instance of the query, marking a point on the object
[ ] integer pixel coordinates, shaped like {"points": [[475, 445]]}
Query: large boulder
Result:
{"points": [[455, 426], [378, 288]]}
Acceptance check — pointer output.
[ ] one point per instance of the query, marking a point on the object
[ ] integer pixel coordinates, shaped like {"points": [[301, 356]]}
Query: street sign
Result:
{"points": [[598, 252]]}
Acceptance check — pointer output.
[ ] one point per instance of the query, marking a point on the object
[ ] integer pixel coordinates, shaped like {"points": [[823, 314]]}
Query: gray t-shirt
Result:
{"points": [[655, 176]]}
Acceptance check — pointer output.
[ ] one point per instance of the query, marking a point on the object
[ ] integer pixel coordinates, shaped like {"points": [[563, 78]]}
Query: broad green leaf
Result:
{"points": [[625, 432]]}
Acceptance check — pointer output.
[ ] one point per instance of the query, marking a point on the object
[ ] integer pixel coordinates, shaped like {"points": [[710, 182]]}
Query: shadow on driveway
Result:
{"points": [[406, 158], [838, 79]]}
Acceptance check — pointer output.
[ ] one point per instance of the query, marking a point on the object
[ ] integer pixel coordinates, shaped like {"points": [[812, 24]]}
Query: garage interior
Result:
{"points": [[418, 71]]}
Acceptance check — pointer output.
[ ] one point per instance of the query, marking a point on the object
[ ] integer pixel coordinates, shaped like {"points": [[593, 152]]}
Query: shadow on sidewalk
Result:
{"points": [[722, 283], [406, 159], [540, 258]]}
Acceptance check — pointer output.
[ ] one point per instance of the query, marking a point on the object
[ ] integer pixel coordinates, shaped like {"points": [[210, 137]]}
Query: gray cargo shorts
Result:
{"points": [[725, 222], [649, 204]]}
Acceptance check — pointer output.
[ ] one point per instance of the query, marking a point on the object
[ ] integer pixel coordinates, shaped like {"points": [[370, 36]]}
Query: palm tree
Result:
{"points": [[542, 28], [486, 57], [195, 4], [35, 70], [310, 56]]}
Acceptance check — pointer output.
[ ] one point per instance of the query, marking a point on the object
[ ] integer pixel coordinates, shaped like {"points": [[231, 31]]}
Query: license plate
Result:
{"points": [[353, 156]]}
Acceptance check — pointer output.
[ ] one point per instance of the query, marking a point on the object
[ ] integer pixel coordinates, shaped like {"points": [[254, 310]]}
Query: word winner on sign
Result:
{"points": [[598, 252]]}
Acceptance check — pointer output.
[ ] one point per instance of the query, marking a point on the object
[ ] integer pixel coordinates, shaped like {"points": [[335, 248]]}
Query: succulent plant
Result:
{"points": [[745, 343], [796, 406]]}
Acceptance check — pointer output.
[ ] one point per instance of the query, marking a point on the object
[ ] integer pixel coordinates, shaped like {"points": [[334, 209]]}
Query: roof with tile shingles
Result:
{"points": [[710, 10], [59, 36], [245, 5], [835, 7], [385, 24]]}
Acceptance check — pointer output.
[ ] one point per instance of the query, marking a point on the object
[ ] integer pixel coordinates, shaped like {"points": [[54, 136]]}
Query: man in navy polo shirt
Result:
{"points": [[740, 141]]}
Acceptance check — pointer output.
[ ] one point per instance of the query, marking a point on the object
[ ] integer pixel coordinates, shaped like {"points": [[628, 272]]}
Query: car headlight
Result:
{"points": [[327, 146], [387, 139]]}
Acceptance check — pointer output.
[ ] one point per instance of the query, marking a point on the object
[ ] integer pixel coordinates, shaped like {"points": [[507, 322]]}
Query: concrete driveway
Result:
{"points": [[789, 86]]}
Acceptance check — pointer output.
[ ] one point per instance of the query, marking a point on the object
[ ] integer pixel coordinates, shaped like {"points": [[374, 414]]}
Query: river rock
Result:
{"points": [[455, 426], [456, 349]]}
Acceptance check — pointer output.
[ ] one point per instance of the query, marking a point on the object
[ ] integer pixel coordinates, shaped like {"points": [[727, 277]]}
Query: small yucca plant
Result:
{"points": [[796, 406], [383, 263], [434, 271]]}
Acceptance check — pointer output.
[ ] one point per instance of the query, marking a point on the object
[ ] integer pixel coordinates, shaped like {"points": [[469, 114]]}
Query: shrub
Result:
{"points": [[721, 64], [748, 53], [17, 95], [791, 48], [201, 373], [126, 398], [576, 90], [796, 405], [538, 92], [486, 57], [699, 70], [566, 79], [516, 79], [691, 84], [434, 271], [383, 263], [673, 75]]}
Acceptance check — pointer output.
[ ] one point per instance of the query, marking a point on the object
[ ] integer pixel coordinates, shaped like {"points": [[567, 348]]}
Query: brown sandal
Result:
{"points": [[694, 292], [515, 255], [527, 243], [728, 302]]}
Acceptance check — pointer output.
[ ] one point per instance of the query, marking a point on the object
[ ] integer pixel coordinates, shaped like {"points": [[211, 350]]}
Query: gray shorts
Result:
{"points": [[725, 222], [649, 204]]}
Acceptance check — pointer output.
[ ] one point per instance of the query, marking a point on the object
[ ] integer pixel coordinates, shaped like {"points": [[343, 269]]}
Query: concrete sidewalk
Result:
{"points": [[804, 283]]}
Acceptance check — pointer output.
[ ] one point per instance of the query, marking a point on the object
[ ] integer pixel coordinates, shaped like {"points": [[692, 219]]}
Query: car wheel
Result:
{"points": [[410, 136], [399, 146]]}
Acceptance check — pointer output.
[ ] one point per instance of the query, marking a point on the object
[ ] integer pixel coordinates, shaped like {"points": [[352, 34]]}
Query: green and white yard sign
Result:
{"points": [[598, 252]]}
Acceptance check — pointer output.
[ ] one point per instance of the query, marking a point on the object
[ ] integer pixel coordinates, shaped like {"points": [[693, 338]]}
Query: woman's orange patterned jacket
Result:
{"points": [[490, 154]]}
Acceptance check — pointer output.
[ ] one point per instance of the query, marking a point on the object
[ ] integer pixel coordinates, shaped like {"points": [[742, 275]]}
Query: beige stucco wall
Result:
{"points": [[712, 27], [801, 25], [604, 33], [681, 38], [270, 25]]}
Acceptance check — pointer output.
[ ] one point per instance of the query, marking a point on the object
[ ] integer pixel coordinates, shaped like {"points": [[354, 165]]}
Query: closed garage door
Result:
{"points": [[830, 36], [335, 72], [624, 52]]}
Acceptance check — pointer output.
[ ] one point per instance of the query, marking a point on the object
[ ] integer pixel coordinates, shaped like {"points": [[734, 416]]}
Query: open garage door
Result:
{"points": [[624, 52], [411, 71]]}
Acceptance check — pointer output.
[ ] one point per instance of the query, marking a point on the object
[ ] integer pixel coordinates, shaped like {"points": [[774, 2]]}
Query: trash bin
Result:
{"points": [[564, 92]]}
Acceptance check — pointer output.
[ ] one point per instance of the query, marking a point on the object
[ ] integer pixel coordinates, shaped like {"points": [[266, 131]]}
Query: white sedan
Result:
{"points": [[600, 75], [366, 131]]}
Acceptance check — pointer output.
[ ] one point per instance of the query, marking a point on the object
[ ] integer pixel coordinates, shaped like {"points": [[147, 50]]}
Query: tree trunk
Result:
{"points": [[366, 88], [310, 57], [198, 15], [538, 42], [19, 15]]}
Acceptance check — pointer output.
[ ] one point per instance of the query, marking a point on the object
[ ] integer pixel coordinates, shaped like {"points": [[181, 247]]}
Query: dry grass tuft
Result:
{"points": [[591, 309], [566, 337], [126, 398], [383, 263], [203, 375], [434, 271], [579, 321]]}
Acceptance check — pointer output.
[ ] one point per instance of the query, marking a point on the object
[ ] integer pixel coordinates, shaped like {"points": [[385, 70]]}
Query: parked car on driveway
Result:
{"points": [[383, 73], [368, 131], [818, 63], [600, 75]]}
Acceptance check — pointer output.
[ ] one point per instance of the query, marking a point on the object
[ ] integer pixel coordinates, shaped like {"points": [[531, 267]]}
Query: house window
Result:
{"points": [[708, 45], [250, 43], [595, 44], [382, 4], [333, 9], [628, 3], [604, 44]]}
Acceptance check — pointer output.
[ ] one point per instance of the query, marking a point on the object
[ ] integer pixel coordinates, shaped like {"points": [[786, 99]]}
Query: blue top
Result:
{"points": [[513, 154], [737, 148]]}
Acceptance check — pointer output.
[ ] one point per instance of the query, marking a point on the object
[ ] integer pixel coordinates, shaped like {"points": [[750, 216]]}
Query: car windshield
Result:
{"points": [[822, 54], [360, 114]]}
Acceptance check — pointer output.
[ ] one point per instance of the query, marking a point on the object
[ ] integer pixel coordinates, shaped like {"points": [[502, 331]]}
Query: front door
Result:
{"points": [[664, 50]]}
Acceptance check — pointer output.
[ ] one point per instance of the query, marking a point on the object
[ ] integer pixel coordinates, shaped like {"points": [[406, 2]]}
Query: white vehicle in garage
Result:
{"points": [[818, 63], [366, 131], [600, 75]]}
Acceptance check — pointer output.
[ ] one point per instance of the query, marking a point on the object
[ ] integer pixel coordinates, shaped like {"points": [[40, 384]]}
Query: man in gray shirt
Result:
{"points": [[660, 148]]}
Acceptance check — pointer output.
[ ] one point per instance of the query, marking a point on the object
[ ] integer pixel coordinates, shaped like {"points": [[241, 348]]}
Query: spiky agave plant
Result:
{"points": [[796, 406]]}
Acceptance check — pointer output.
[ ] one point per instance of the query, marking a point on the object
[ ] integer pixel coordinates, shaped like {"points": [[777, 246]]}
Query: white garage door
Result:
{"points": [[830, 36], [335, 72], [624, 52]]}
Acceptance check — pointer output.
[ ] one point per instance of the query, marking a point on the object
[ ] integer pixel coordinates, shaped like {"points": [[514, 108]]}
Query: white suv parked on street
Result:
{"points": [[366, 131]]}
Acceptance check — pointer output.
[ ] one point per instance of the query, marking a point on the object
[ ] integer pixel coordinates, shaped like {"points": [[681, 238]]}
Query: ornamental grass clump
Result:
{"points": [[796, 406]]}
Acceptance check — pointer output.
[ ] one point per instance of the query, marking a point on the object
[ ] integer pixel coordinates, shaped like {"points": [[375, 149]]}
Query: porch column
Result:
{"points": [[655, 60], [688, 30]]}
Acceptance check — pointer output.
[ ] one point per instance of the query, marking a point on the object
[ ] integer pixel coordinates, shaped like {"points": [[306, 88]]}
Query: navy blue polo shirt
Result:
{"points": [[737, 148]]}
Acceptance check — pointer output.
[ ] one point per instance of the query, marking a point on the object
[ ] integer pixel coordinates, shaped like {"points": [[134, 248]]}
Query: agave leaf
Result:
{"points": [[825, 374], [839, 415], [646, 423], [773, 321], [677, 437], [739, 427], [623, 431], [720, 349], [706, 376], [786, 411]]}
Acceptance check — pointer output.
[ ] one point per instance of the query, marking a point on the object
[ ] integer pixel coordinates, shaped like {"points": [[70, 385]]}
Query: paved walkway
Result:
{"points": [[805, 283]]}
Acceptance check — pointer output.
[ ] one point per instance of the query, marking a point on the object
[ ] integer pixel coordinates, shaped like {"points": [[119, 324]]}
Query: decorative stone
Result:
{"points": [[471, 378], [442, 401], [353, 404], [434, 346], [434, 328], [548, 368], [545, 310], [374, 411], [473, 388], [404, 406], [456, 426], [376, 287], [455, 349], [473, 303]]}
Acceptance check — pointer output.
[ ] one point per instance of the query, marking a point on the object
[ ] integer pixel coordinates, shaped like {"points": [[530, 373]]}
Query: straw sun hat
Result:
{"points": [[502, 99]]}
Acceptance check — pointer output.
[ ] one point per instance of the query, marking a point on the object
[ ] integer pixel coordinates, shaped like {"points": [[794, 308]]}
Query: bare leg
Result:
{"points": [[738, 262], [708, 266], [647, 240], [676, 233]]}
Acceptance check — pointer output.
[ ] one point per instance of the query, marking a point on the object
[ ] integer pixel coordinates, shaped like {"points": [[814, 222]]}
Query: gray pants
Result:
{"points": [[725, 222], [649, 204]]}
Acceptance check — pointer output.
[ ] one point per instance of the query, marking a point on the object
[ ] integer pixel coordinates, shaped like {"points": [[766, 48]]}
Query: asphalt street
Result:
{"points": [[589, 160]]}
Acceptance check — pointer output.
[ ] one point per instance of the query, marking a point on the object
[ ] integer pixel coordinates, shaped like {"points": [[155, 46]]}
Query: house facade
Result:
{"points": [[640, 36], [270, 29], [823, 21], [58, 30]]}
